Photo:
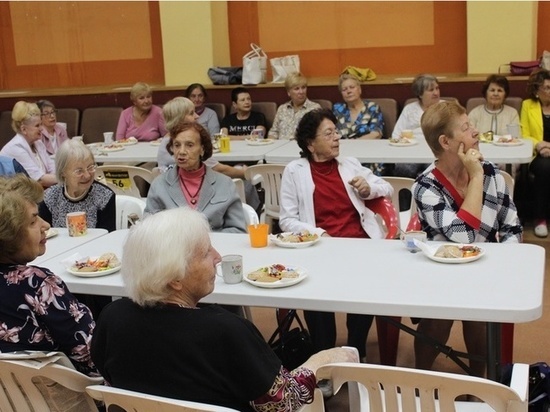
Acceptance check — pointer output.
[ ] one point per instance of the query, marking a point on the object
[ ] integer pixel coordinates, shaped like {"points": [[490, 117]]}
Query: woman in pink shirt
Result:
{"points": [[143, 120], [52, 134]]}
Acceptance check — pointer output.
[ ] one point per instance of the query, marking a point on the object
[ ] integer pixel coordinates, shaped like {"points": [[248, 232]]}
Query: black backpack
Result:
{"points": [[539, 385]]}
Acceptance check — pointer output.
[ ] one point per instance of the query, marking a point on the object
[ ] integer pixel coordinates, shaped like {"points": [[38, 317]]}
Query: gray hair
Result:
{"points": [[138, 89], [421, 83], [158, 250], [175, 110], [70, 150], [347, 76]]}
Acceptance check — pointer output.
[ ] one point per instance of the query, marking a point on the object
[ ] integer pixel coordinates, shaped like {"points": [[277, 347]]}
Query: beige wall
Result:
{"points": [[499, 32], [194, 37]]}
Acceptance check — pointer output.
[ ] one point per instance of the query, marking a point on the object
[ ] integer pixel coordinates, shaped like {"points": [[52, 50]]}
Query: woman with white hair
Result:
{"points": [[143, 120], [26, 146], [161, 342]]}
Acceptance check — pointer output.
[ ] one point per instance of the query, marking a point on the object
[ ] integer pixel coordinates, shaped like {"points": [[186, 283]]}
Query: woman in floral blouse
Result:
{"points": [[37, 311]]}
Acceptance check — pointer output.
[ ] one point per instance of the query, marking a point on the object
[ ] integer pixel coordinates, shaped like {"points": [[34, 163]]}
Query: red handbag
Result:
{"points": [[524, 68]]}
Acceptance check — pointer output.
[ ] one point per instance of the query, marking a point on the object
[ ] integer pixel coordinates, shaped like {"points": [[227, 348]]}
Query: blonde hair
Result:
{"points": [[16, 192], [295, 79], [347, 76], [175, 110], [138, 89], [158, 250], [438, 120], [22, 113]]}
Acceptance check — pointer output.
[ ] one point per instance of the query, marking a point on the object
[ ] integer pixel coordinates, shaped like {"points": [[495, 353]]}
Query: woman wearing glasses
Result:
{"points": [[77, 190], [535, 125], [325, 194], [52, 133]]}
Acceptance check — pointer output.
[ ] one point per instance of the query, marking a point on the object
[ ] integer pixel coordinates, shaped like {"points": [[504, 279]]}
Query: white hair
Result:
{"points": [[158, 251]]}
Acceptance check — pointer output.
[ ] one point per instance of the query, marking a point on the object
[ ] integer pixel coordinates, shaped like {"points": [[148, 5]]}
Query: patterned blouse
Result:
{"points": [[439, 203], [369, 120], [287, 119], [37, 312]]}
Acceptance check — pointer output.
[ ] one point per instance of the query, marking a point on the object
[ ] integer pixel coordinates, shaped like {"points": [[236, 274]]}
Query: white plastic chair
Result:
{"points": [[269, 176], [141, 402], [510, 182], [388, 388], [18, 393], [125, 180], [239, 184], [250, 215], [398, 184], [129, 209]]}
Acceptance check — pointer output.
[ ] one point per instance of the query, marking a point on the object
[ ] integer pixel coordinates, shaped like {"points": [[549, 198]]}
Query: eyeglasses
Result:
{"points": [[545, 88], [329, 133], [49, 114], [80, 172]]}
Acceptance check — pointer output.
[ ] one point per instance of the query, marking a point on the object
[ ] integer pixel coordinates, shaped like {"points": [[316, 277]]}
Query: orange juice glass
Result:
{"points": [[258, 234]]}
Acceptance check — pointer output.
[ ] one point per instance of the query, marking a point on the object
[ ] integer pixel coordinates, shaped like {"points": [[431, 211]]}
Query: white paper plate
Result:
{"points": [[291, 245], [155, 143], [410, 143], [110, 149], [455, 260], [127, 143], [72, 270], [283, 283], [51, 232], [262, 142], [512, 143]]}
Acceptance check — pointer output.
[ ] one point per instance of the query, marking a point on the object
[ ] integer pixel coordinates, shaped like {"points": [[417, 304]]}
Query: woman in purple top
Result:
{"points": [[52, 133], [143, 120]]}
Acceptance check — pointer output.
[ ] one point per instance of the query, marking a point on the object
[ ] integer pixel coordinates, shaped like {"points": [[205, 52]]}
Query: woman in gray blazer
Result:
{"points": [[190, 183]]}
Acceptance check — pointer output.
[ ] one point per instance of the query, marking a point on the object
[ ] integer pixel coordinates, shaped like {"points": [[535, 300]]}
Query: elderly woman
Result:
{"points": [[26, 146], [37, 311], [460, 198], [535, 125], [240, 124], [193, 184], [357, 118], [143, 120], [77, 190], [494, 115], [181, 109], [206, 116], [52, 133], [426, 88], [195, 353], [290, 113], [326, 194]]}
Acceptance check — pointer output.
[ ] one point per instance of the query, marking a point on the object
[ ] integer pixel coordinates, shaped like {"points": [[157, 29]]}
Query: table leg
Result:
{"points": [[493, 351]]}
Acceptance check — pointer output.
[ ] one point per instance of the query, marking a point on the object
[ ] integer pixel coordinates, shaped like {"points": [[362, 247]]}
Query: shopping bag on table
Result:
{"points": [[281, 67], [254, 65]]}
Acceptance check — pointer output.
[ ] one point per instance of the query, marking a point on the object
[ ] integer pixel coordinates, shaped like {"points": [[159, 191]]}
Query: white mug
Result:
{"points": [[232, 268]]}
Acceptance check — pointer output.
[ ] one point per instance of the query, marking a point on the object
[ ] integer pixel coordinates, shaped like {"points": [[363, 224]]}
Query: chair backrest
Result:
{"points": [[399, 184], [384, 208], [18, 392], [414, 99], [97, 120], [393, 388], [473, 102], [141, 402], [129, 210], [510, 182], [239, 184], [324, 103], [219, 108], [388, 107], [126, 180], [269, 177], [6, 132], [71, 117], [250, 215]]}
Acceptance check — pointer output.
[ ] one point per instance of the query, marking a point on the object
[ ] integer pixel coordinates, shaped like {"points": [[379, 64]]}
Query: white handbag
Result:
{"points": [[254, 65], [281, 67]]}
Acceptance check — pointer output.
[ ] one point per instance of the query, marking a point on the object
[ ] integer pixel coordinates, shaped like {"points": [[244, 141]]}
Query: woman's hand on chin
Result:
{"points": [[471, 159]]}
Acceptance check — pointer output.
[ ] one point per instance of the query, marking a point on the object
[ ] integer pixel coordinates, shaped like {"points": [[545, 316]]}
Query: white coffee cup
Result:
{"points": [[513, 130], [108, 137], [232, 268]]}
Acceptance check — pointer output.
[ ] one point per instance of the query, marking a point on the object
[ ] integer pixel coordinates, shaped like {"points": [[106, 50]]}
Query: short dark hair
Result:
{"points": [[44, 103], [205, 138], [194, 86], [236, 91], [502, 81], [307, 128], [536, 79]]}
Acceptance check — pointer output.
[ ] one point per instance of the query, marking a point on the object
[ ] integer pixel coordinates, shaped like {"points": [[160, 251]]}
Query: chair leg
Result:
{"points": [[388, 340], [507, 343]]}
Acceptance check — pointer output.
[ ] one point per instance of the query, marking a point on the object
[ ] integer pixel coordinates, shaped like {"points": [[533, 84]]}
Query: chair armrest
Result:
{"points": [[520, 380]]}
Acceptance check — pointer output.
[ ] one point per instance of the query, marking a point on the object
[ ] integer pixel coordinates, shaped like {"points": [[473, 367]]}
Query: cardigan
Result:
{"points": [[19, 149]]}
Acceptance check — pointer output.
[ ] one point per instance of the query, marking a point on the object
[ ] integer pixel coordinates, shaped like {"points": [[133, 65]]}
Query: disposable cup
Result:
{"points": [[108, 137], [258, 234], [409, 237], [225, 144]]}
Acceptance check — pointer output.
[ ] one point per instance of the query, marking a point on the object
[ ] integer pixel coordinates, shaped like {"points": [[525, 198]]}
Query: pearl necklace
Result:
{"points": [[74, 199]]}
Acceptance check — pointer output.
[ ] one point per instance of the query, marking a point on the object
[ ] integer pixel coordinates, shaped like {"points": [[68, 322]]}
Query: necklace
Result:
{"points": [[326, 173], [74, 199], [193, 198], [181, 305]]}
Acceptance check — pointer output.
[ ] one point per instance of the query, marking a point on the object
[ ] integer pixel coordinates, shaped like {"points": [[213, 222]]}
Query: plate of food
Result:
{"points": [[402, 141], [51, 232], [256, 142], [156, 142], [275, 276], [113, 147], [128, 142], [453, 253], [90, 267], [295, 240], [506, 140]]}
